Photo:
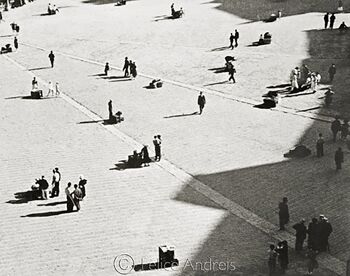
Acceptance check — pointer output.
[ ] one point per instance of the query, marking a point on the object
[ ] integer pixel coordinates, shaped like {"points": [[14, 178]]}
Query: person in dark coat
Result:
{"points": [[106, 68], [331, 21], [335, 127], [338, 158], [145, 156], [201, 102], [319, 146], [43, 186], [236, 38], [70, 203], [283, 213], [344, 129], [272, 260], [326, 19], [15, 43], [312, 262], [231, 40], [312, 234], [300, 235], [52, 58], [133, 70], [331, 72], [110, 109], [283, 258], [126, 67], [81, 185]]}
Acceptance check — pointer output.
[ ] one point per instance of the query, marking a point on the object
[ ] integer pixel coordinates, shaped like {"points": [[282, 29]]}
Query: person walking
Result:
{"points": [[231, 72], [300, 235], [15, 43], [339, 158], [331, 21], [106, 68], [70, 202], [236, 38], [50, 89], [56, 178], [335, 128], [57, 89], [81, 185], [52, 58], [201, 102], [283, 213], [126, 67], [272, 260], [331, 72], [319, 146], [78, 196], [231, 41], [326, 19]]}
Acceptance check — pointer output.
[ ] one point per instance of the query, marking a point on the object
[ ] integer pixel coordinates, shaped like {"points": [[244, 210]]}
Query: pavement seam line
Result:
{"points": [[326, 260], [282, 109]]}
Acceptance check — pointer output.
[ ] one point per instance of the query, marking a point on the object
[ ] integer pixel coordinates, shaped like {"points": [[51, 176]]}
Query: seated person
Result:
{"points": [[343, 27], [261, 39]]}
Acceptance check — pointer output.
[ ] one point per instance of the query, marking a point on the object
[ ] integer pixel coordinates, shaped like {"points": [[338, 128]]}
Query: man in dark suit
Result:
{"points": [[201, 102]]}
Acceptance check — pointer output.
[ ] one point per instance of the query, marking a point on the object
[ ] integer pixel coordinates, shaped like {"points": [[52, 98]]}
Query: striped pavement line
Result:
{"points": [[327, 261]]}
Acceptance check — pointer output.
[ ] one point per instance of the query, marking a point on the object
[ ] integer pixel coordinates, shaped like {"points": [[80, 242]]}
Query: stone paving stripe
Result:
{"points": [[325, 260]]}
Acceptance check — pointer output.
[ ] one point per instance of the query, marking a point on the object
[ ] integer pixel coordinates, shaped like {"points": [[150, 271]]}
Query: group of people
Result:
{"points": [[52, 9], [317, 234], [129, 68], [74, 195], [278, 254], [174, 13], [304, 79], [338, 127]]}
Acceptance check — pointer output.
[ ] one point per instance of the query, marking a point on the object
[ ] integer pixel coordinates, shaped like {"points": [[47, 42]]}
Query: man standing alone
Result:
{"points": [[338, 158], [201, 102], [283, 213], [325, 19], [52, 58], [236, 38], [332, 71], [300, 234], [231, 41], [319, 146], [70, 203], [331, 21]]}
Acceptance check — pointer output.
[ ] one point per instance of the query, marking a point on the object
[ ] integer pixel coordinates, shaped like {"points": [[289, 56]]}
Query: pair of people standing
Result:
{"points": [[330, 19], [157, 142], [74, 196], [129, 68], [234, 38], [55, 91], [280, 253]]}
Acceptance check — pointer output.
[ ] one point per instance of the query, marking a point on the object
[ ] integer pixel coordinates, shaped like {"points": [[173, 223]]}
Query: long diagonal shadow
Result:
{"points": [[47, 214], [181, 115]]}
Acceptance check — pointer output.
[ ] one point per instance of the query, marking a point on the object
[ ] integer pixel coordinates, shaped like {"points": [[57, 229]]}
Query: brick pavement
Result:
{"points": [[195, 159], [50, 243]]}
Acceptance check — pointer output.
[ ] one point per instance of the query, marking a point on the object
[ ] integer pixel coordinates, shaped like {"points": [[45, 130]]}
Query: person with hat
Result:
{"points": [[300, 235]]}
